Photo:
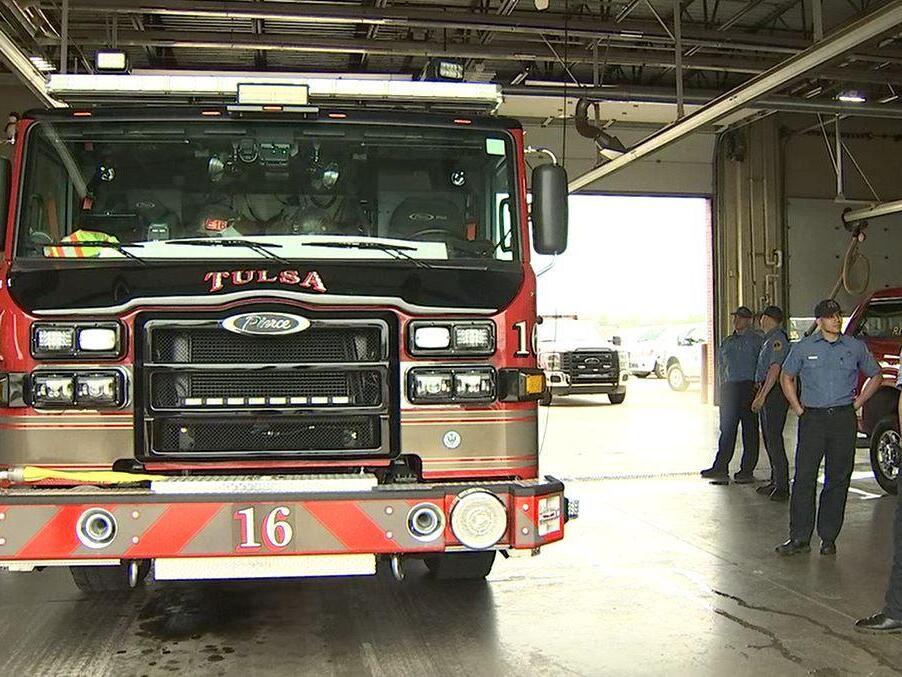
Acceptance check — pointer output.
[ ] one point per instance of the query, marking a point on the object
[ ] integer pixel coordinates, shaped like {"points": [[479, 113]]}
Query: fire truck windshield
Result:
{"points": [[292, 190]]}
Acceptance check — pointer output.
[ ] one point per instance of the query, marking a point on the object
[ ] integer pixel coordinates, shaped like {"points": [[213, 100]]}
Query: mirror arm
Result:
{"points": [[534, 150]]}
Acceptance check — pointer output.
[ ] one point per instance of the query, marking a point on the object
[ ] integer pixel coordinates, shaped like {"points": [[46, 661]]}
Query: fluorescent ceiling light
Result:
{"points": [[42, 64], [851, 96]]}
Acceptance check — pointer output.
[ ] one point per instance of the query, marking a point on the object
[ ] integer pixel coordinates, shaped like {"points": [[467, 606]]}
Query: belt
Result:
{"points": [[829, 410]]}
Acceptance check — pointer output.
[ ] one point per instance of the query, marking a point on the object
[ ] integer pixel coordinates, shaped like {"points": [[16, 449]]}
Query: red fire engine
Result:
{"points": [[275, 328]]}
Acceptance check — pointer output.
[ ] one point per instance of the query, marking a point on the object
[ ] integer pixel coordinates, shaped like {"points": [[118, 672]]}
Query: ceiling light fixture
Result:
{"points": [[889, 98], [851, 96], [42, 64]]}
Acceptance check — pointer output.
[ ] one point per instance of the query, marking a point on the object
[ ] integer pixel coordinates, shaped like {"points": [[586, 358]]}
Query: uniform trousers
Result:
{"points": [[824, 435], [773, 420], [735, 408], [893, 607]]}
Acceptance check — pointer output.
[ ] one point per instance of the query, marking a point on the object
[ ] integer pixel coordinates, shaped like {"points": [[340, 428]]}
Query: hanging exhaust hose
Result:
{"points": [[602, 139], [852, 257], [29, 474]]}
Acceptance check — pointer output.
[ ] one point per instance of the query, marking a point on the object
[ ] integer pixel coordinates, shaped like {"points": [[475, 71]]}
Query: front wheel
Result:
{"points": [[116, 578], [886, 455], [617, 398], [459, 566], [545, 400], [676, 378]]}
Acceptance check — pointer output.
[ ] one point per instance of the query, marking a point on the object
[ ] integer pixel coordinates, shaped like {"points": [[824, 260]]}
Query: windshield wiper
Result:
{"points": [[264, 250], [397, 251], [118, 246]]}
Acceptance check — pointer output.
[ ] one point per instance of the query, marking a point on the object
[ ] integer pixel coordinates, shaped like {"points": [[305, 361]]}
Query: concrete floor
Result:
{"points": [[661, 575]]}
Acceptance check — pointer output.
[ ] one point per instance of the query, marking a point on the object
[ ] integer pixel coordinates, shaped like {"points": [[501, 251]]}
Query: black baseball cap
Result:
{"points": [[743, 311], [773, 312], [827, 308]]}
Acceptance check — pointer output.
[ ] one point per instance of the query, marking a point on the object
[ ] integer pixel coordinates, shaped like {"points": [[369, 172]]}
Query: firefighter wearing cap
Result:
{"points": [[890, 619], [738, 357], [828, 364], [770, 402]]}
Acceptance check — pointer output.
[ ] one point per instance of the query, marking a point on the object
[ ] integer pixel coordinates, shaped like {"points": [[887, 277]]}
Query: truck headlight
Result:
{"points": [[550, 361], [451, 338], [102, 339], [430, 385], [474, 384], [474, 338], [456, 384], [75, 340], [53, 390], [432, 338], [53, 340], [101, 389]]}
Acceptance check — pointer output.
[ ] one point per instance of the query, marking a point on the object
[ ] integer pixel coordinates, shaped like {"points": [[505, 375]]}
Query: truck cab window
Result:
{"points": [[434, 194]]}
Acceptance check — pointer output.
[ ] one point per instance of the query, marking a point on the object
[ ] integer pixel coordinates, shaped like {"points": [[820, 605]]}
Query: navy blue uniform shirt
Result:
{"points": [[739, 355], [829, 371], [774, 351]]}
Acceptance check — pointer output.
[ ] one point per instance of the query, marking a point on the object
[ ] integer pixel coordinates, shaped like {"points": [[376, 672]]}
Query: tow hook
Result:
{"points": [[397, 568], [572, 505]]}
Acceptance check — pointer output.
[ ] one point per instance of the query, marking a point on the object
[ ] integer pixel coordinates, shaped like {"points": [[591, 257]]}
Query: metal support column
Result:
{"points": [[64, 37], [678, 55]]}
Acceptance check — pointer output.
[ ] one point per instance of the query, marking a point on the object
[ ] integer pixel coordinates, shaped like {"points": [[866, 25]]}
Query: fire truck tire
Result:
{"points": [[545, 401], [617, 398], [456, 566], [105, 579], [886, 454]]}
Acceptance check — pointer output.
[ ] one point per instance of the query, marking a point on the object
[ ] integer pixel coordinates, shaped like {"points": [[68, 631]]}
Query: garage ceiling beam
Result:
{"points": [[519, 22], [536, 23], [701, 98], [863, 30], [507, 51]]}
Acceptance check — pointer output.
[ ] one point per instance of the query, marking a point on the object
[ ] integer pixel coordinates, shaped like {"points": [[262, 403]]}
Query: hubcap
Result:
{"points": [[888, 453], [676, 378]]}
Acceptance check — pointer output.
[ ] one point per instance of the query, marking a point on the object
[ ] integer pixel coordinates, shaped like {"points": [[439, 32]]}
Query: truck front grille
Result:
{"points": [[266, 435], [591, 366], [206, 392]]}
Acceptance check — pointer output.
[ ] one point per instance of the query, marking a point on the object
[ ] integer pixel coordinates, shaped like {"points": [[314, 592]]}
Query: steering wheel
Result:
{"points": [[426, 232]]}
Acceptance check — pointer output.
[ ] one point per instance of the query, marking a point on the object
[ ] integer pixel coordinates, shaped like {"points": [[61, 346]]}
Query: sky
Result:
{"points": [[630, 261]]}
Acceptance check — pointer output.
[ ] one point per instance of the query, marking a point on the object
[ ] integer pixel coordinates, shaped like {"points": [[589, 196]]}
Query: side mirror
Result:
{"points": [[617, 340], [549, 209], [5, 178]]}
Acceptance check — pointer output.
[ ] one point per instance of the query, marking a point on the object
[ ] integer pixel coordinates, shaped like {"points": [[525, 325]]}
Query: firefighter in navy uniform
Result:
{"points": [[738, 357], [828, 364], [890, 619], [770, 402]]}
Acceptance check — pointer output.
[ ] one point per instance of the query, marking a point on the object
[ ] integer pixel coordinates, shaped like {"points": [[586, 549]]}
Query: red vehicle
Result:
{"points": [[878, 322], [271, 338]]}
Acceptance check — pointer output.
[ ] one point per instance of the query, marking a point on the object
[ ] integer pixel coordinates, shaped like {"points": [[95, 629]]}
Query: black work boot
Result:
{"points": [[793, 547]]}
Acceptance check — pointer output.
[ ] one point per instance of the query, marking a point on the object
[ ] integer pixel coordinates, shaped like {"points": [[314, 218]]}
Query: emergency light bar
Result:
{"points": [[89, 88]]}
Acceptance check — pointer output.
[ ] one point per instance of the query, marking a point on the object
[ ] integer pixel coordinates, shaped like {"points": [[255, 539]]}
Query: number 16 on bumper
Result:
{"points": [[272, 528]]}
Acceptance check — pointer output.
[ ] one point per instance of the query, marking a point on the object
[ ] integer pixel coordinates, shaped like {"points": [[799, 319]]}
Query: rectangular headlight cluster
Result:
{"points": [[469, 337], [456, 384], [89, 390], [76, 340]]}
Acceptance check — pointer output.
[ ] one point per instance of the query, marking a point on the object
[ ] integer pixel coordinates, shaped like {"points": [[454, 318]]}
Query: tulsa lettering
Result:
{"points": [[221, 279]]}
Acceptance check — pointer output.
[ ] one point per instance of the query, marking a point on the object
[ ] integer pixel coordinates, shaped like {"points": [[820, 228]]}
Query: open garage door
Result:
{"points": [[625, 338]]}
